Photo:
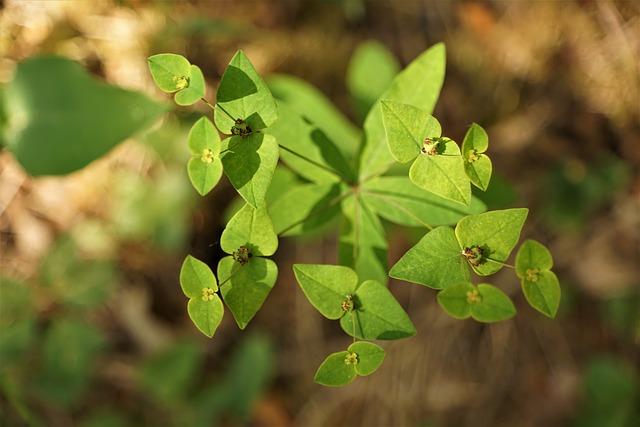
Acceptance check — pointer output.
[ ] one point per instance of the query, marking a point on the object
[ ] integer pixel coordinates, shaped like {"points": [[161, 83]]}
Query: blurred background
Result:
{"points": [[93, 324]]}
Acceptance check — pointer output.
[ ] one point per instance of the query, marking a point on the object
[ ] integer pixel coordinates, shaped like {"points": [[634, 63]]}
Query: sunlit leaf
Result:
{"points": [[326, 286], [251, 228]]}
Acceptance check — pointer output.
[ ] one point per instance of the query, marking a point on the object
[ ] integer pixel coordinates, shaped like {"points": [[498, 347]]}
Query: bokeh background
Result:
{"points": [[94, 330]]}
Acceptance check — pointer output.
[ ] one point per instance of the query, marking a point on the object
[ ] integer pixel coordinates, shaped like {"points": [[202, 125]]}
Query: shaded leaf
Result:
{"points": [[206, 314], [252, 228], [334, 371], [476, 164], [539, 285], [532, 255], [326, 286]]}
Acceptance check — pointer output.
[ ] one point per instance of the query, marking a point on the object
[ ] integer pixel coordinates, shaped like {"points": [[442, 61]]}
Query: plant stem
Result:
{"points": [[353, 322], [313, 162], [504, 264], [226, 112], [213, 107], [231, 275]]}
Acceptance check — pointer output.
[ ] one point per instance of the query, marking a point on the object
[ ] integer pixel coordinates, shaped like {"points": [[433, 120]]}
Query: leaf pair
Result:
{"points": [[174, 74], [539, 284], [484, 303], [200, 286], [366, 310], [205, 166], [360, 359]]}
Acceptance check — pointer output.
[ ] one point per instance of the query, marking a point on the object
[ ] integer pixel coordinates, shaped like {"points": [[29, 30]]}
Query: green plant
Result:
{"points": [[359, 179]]}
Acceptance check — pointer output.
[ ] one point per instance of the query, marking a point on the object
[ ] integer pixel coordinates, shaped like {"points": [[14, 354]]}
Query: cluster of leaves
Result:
{"points": [[339, 173]]}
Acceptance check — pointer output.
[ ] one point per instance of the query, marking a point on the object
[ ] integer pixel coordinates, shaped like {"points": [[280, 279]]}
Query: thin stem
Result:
{"points": [[504, 264], [213, 107], [226, 112], [313, 162], [318, 212], [353, 322], [231, 275]]}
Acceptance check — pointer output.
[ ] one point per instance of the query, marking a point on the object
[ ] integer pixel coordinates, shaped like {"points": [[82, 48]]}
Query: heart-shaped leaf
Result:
{"points": [[539, 284], [195, 276], [435, 261], [335, 371], [488, 238], [376, 315], [476, 164], [242, 94], [484, 303], [245, 287], [61, 119], [370, 357], [249, 163], [195, 91], [171, 72], [328, 288], [251, 228]]}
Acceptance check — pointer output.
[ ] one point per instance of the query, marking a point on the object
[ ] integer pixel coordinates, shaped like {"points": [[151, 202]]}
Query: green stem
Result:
{"points": [[233, 273], [226, 112], [504, 264], [213, 107], [353, 322]]}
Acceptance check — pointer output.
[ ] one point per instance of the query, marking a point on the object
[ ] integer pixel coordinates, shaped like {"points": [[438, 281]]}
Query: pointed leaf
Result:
{"points": [[249, 165], [195, 276], [435, 261], [203, 136], [406, 128], [377, 315], [363, 244], [442, 173], [477, 165], [532, 255], [305, 208], [195, 91], [244, 95], [454, 300], [495, 233], [252, 228], [418, 85], [204, 175], [543, 292], [370, 357], [326, 286], [316, 157], [485, 303], [61, 118], [206, 314], [397, 199], [334, 371], [167, 69], [366, 87], [246, 286]]}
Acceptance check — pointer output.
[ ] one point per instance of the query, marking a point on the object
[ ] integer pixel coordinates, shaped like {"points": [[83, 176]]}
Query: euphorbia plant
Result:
{"points": [[328, 169]]}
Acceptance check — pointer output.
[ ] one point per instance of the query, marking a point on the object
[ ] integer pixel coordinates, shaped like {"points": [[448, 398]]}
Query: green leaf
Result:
{"points": [[249, 164], [435, 261], [484, 303], [206, 314], [246, 286], [195, 276], [61, 119], [442, 173], [317, 158], [204, 175], [495, 233], [195, 91], [396, 199], [203, 136], [377, 315], [362, 243], [370, 357], [539, 285], [205, 167], [406, 128], [311, 104], [305, 208], [418, 85], [326, 286], [366, 87], [334, 371], [167, 70], [252, 228], [477, 165], [244, 95]]}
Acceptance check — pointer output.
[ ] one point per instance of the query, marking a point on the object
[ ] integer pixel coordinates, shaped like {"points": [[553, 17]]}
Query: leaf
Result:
{"points": [[251, 228], [317, 158], [195, 91], [435, 261], [362, 243], [204, 175], [396, 199], [495, 233], [477, 165], [406, 128], [203, 136], [377, 315], [249, 164], [370, 357], [539, 285], [366, 87], [61, 119], [205, 167], [246, 287], [334, 371], [195, 276], [484, 303], [206, 314], [418, 85], [310, 103], [305, 208], [326, 286], [167, 69], [442, 173], [244, 95]]}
